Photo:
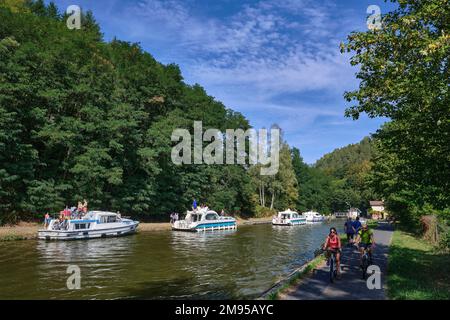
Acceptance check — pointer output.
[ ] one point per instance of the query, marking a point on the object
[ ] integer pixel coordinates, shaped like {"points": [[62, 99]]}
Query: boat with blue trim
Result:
{"points": [[204, 219], [95, 224], [288, 218]]}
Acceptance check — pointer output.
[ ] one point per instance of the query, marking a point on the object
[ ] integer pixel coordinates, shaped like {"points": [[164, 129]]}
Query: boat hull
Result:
{"points": [[315, 220], [206, 226], [289, 223], [88, 234]]}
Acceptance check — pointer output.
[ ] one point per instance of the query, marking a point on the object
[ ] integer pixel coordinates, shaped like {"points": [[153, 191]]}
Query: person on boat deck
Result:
{"points": [[333, 245], [172, 218], [66, 213], [222, 213], [46, 220], [61, 215], [85, 206], [194, 205], [176, 216]]}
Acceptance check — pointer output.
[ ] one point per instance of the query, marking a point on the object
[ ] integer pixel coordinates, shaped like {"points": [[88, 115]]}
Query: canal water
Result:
{"points": [[239, 264]]}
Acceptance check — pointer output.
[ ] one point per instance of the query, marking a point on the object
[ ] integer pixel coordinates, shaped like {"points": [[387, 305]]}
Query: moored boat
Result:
{"points": [[312, 217], [204, 220], [95, 224], [288, 218]]}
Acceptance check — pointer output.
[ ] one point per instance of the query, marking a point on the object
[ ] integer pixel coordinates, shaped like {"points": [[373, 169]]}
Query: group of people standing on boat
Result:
{"points": [[77, 212], [174, 217], [195, 208]]}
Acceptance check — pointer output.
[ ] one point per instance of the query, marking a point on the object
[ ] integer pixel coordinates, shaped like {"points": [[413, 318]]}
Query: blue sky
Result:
{"points": [[275, 61]]}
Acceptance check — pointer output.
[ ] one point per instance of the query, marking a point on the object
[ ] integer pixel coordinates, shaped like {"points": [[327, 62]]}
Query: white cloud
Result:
{"points": [[261, 51]]}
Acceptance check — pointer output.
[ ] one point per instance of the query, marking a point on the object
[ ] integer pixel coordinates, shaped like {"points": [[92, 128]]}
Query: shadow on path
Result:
{"points": [[351, 286]]}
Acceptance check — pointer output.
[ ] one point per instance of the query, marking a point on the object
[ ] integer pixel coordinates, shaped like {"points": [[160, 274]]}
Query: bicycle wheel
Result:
{"points": [[364, 267], [331, 270]]}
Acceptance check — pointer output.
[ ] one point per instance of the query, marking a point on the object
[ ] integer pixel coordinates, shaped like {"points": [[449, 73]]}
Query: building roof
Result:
{"points": [[376, 203]]}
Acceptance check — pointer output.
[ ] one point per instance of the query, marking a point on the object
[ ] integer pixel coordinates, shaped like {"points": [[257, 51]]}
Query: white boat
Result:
{"points": [[95, 224], [204, 220], [288, 218], [312, 216]]}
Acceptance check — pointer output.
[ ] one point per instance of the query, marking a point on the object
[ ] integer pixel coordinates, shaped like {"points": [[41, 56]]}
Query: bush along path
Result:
{"points": [[351, 286]]}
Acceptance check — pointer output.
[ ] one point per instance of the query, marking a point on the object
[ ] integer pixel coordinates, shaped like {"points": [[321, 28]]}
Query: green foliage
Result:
{"points": [[404, 73], [337, 180], [277, 191], [85, 119], [261, 212]]}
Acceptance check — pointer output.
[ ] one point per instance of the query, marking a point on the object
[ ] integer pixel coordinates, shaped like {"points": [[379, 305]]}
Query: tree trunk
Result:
{"points": [[260, 194], [263, 196], [273, 198]]}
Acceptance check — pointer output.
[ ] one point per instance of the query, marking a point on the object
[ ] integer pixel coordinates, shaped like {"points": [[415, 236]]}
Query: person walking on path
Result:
{"points": [[318, 287], [357, 225], [349, 230]]}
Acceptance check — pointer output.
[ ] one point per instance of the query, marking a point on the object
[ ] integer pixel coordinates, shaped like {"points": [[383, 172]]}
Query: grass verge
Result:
{"points": [[295, 279], [416, 269]]}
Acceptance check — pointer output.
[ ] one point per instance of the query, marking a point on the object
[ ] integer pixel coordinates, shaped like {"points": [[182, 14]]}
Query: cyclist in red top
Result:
{"points": [[333, 244]]}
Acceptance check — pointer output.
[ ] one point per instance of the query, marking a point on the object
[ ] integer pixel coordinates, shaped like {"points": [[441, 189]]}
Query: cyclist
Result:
{"points": [[365, 240], [333, 244]]}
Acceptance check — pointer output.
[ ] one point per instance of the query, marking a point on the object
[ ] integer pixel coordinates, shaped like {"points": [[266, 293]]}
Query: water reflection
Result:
{"points": [[231, 264]]}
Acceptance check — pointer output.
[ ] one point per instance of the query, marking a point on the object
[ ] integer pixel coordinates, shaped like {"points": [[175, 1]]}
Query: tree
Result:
{"points": [[404, 73], [81, 118]]}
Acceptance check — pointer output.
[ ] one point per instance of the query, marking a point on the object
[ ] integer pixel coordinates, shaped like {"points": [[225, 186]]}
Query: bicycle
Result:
{"points": [[365, 262], [332, 263]]}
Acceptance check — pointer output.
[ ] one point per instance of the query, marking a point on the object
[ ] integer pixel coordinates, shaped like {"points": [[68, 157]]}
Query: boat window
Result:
{"points": [[112, 219], [211, 216], [79, 226]]}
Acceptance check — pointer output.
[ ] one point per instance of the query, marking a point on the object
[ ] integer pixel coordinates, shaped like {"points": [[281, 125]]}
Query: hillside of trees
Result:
{"points": [[337, 181], [85, 119], [81, 118]]}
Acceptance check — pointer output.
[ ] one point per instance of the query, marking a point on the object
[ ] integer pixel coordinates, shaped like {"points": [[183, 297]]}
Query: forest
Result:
{"points": [[82, 118]]}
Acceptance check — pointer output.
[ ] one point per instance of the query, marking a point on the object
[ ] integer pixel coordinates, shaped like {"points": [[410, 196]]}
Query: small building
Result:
{"points": [[342, 214], [377, 208], [353, 213]]}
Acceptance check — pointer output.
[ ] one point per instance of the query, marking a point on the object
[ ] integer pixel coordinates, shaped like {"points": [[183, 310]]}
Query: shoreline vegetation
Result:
{"points": [[417, 270], [28, 230]]}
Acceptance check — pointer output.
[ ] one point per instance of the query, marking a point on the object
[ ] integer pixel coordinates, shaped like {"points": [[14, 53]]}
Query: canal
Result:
{"points": [[238, 264]]}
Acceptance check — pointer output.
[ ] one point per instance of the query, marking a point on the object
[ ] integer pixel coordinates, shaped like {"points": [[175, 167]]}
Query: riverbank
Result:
{"points": [[286, 286], [28, 230], [417, 271], [21, 231]]}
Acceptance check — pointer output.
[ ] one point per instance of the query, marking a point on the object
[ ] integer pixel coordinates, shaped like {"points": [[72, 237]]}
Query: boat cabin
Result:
{"points": [[199, 216]]}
